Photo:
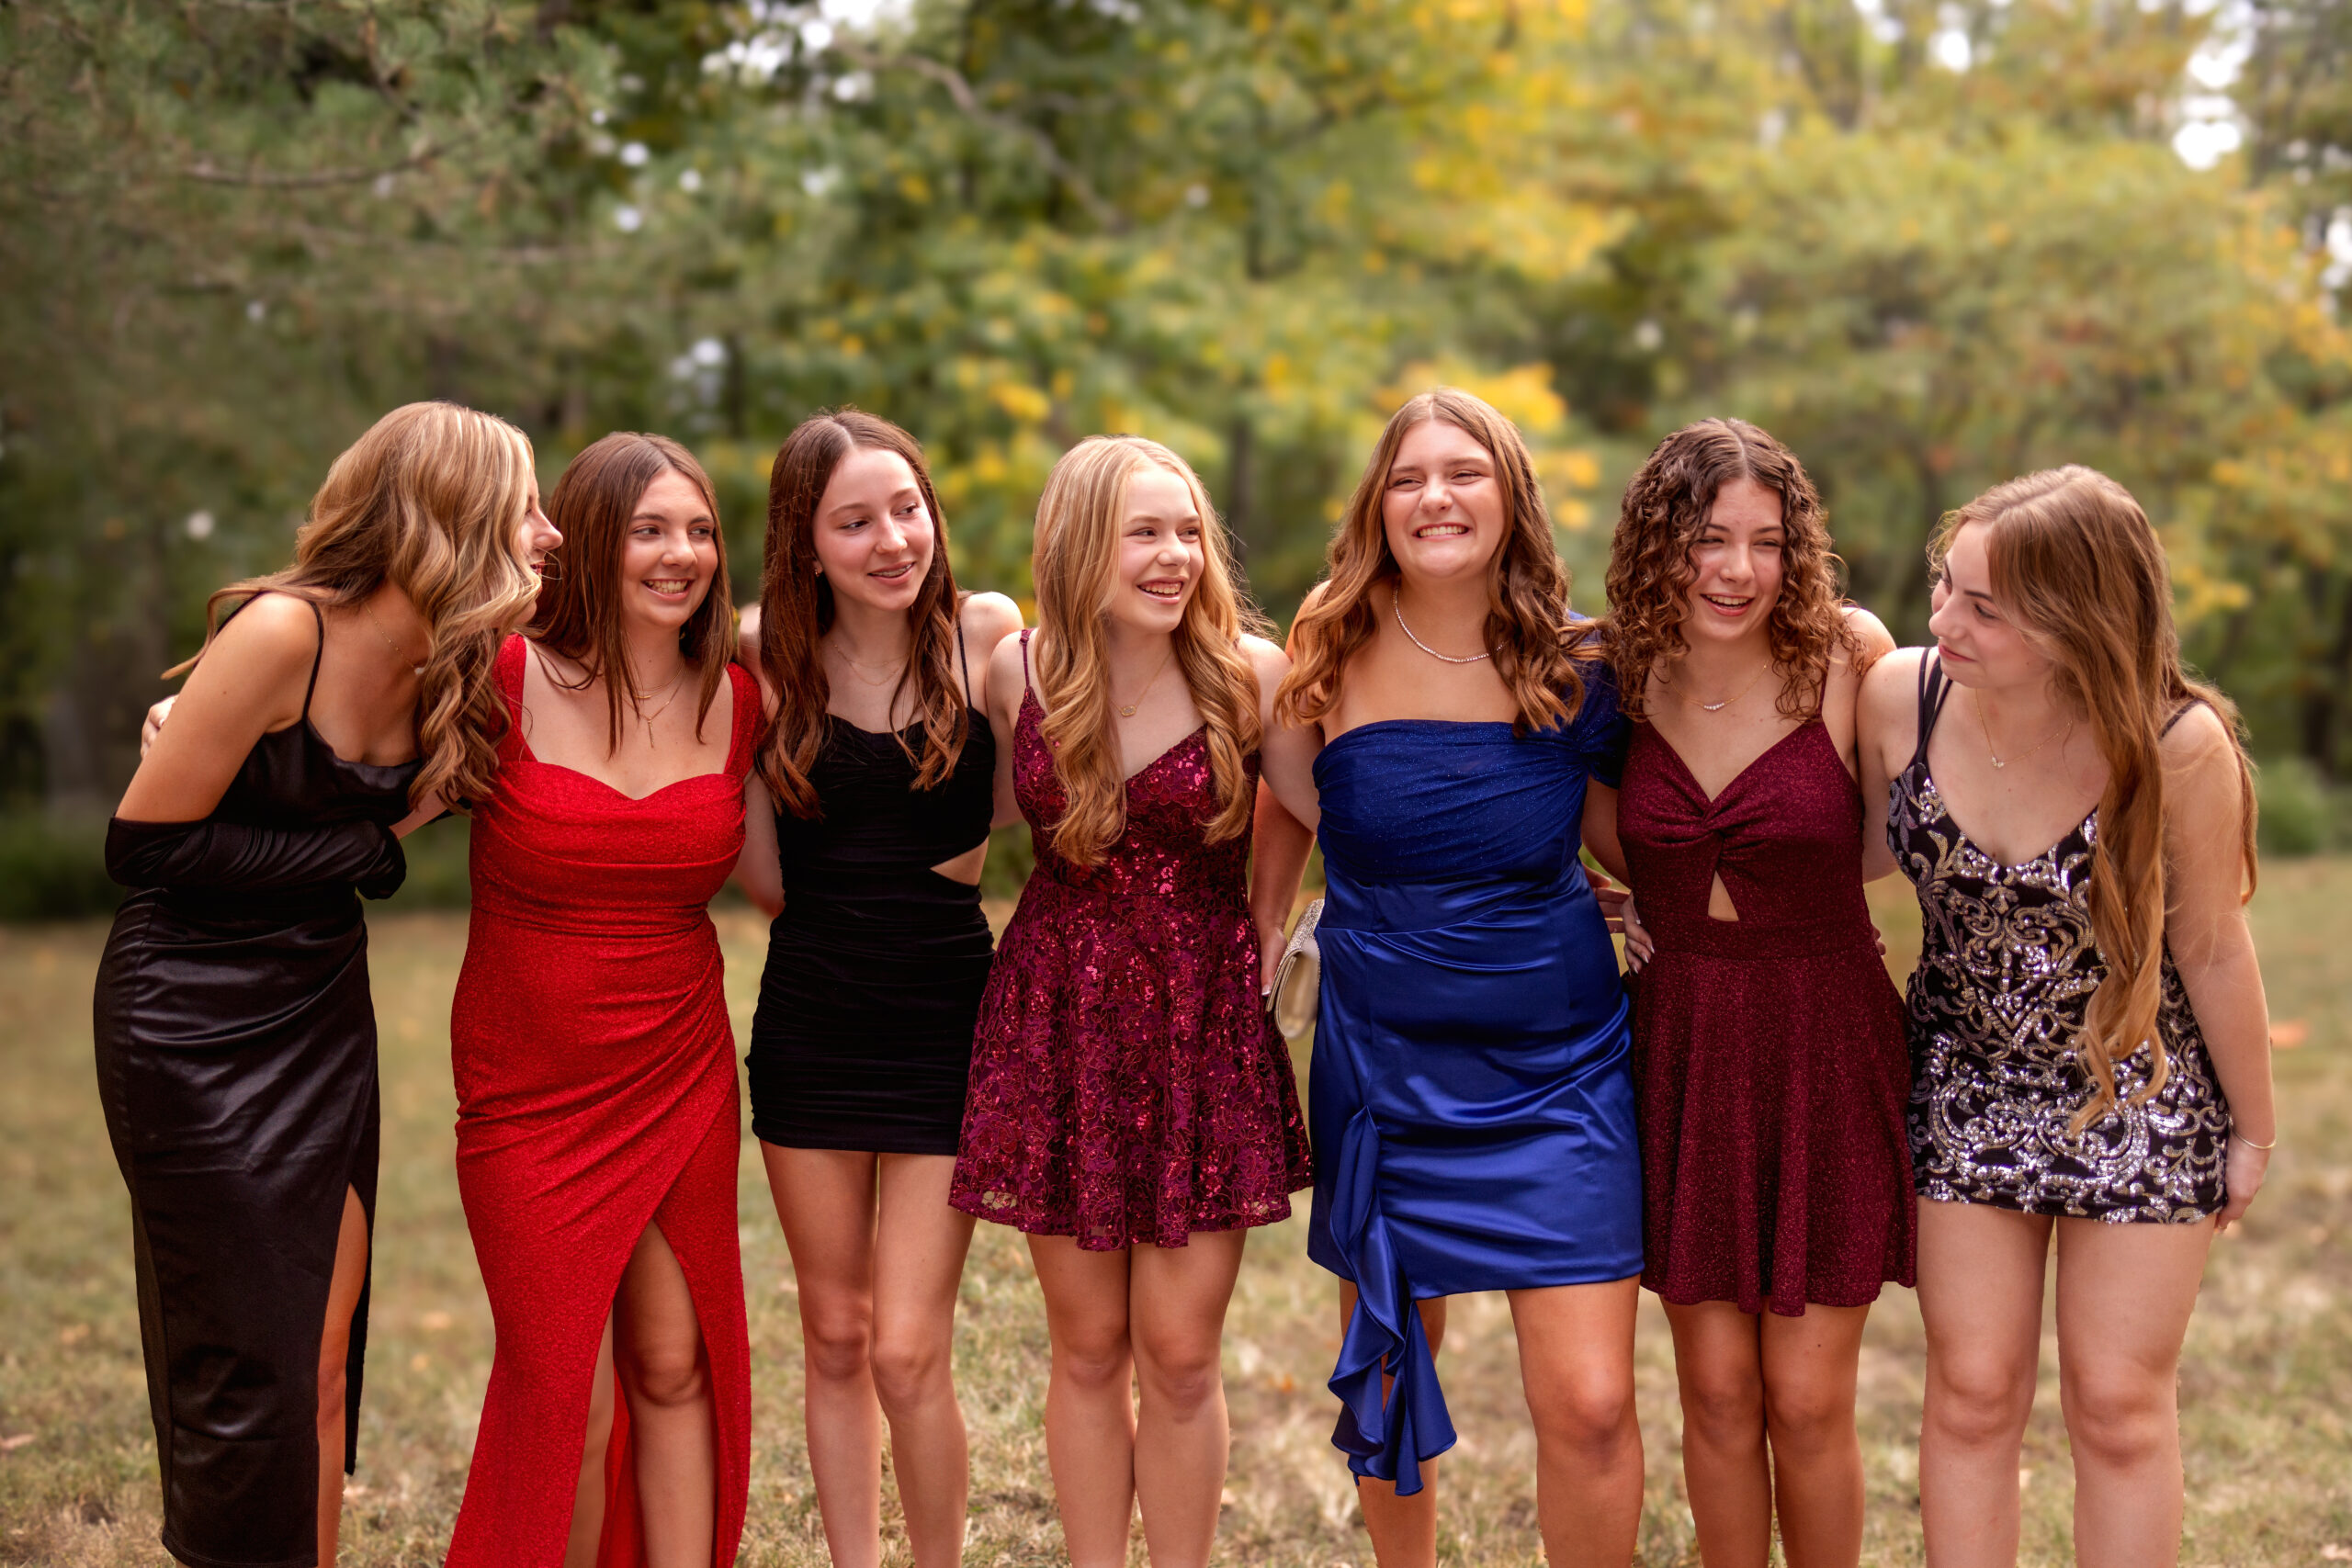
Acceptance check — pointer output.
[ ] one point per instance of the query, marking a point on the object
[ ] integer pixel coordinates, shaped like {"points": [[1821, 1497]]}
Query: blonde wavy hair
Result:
{"points": [[1666, 507], [2076, 567], [1536, 645], [430, 498], [1076, 565]]}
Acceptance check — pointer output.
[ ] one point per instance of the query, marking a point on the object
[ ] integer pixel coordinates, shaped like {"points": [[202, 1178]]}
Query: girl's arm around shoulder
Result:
{"points": [[2206, 932], [1841, 708], [747, 654], [1006, 680], [1886, 731], [985, 620], [1287, 751], [251, 681], [758, 870]]}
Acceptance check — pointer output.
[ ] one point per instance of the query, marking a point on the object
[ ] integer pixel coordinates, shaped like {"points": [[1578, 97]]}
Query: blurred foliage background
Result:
{"points": [[1930, 243]]}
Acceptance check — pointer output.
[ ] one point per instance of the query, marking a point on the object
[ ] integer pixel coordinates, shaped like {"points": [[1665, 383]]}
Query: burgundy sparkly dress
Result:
{"points": [[1769, 1052], [1128, 1087]]}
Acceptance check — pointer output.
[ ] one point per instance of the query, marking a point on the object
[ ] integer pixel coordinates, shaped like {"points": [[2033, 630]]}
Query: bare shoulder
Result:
{"points": [[1877, 641], [1266, 658], [988, 618], [747, 630], [274, 637], [2199, 750], [1893, 682]]}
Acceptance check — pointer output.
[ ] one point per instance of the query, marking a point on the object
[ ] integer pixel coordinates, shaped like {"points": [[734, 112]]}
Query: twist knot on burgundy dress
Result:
{"points": [[597, 1095], [1770, 1055]]}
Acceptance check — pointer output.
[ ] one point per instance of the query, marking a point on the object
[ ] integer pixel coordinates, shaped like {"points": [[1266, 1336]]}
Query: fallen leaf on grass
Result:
{"points": [[2334, 1552], [2290, 1033], [434, 1322], [73, 1335], [10, 1445]]}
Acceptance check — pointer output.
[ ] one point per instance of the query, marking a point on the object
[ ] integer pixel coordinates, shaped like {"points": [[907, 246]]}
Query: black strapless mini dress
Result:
{"points": [[863, 1038], [236, 1057]]}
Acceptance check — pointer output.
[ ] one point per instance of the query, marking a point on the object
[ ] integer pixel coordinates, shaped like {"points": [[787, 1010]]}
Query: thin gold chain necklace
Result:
{"points": [[1127, 710], [1999, 761], [1718, 707], [1397, 603]]}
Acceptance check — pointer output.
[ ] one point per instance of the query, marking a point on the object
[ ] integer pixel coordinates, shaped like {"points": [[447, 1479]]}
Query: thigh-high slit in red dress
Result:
{"points": [[595, 1074]]}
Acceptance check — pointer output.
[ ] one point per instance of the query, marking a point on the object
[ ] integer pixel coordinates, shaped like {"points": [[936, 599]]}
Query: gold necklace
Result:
{"points": [[1718, 707], [1978, 703], [891, 678], [1127, 710], [368, 608], [1397, 603]]}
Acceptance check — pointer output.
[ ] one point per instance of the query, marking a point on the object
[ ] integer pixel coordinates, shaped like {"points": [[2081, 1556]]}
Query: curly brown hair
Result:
{"points": [[1650, 572], [1537, 643]]}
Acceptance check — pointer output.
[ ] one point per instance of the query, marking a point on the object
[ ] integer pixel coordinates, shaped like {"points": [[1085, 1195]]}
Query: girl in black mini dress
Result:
{"points": [[881, 769], [236, 1041], [2089, 1045]]}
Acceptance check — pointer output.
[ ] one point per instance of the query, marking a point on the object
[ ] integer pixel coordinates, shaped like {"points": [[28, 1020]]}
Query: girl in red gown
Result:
{"points": [[597, 1112], [1770, 1063]]}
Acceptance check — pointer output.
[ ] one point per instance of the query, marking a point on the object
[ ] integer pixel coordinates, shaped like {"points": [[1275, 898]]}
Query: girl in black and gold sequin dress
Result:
{"points": [[2090, 1068]]}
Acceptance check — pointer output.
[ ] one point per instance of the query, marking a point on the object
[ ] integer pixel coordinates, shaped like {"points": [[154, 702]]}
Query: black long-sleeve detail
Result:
{"points": [[231, 857]]}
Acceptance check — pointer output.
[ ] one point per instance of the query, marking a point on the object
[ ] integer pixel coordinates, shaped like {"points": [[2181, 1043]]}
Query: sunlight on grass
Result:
{"points": [[2265, 1390]]}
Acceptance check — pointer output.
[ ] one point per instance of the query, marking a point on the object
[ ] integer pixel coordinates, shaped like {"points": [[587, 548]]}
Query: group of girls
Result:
{"points": [[2081, 1055]]}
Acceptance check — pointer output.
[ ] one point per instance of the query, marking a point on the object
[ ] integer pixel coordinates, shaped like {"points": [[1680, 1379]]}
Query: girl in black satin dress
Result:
{"points": [[882, 773], [236, 1040]]}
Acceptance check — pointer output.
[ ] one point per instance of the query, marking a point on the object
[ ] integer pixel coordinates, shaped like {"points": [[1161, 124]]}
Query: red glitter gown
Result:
{"points": [[596, 1070], [1770, 1058]]}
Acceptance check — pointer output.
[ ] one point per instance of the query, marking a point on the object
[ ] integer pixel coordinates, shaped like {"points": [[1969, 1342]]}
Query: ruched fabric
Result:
{"points": [[597, 1095], [1470, 1099]]}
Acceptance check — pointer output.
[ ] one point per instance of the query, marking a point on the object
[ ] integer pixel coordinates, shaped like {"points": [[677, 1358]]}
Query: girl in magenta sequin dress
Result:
{"points": [[1131, 1108]]}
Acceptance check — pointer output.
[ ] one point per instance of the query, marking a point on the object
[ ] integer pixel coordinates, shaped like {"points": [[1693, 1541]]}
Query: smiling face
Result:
{"points": [[1980, 644], [1736, 560], [1442, 507], [1162, 552], [669, 553], [873, 532]]}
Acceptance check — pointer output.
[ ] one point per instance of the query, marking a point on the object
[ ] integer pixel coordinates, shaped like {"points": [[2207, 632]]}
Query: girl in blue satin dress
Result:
{"points": [[1471, 1100]]}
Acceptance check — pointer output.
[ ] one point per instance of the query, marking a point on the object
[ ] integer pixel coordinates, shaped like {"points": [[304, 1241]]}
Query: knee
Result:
{"points": [[666, 1376], [1588, 1412], [908, 1370], [2119, 1416], [838, 1341], [1976, 1402], [1179, 1374], [1808, 1417], [1724, 1408], [1093, 1360]]}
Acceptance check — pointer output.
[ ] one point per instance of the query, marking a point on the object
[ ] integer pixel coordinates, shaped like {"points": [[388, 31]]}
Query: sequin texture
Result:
{"points": [[1128, 1087], [2004, 979]]}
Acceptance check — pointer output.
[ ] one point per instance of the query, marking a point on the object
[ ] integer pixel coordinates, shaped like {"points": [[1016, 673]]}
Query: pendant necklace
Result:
{"points": [[1978, 703], [1397, 603], [368, 608], [1718, 707], [1127, 710]]}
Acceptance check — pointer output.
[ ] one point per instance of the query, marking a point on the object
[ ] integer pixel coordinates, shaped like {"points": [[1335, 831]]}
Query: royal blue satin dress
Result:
{"points": [[1471, 1099]]}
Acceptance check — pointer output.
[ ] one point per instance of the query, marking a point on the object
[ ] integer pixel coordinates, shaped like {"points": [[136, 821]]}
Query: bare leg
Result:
{"points": [[1090, 1414], [827, 1202], [665, 1375], [1575, 1358], [1403, 1529], [588, 1502], [1809, 1367], [2124, 1295], [1719, 1366], [1981, 1272], [918, 1265], [1176, 1302], [335, 1354]]}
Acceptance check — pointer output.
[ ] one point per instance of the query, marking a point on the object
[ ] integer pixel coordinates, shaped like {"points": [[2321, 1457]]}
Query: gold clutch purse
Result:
{"points": [[1298, 977]]}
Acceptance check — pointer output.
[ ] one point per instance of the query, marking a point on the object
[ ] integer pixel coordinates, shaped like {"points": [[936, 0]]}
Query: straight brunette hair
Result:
{"points": [[1665, 509], [432, 499], [2076, 565], [1537, 646], [796, 610], [1079, 520], [579, 615]]}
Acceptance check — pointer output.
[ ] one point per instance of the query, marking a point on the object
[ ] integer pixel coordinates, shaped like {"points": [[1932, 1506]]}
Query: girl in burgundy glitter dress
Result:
{"points": [[1131, 1108]]}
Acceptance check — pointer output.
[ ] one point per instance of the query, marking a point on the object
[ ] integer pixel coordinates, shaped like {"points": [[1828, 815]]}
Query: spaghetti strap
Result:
{"points": [[2181, 712], [319, 617], [966, 655], [1025, 685], [1934, 688]]}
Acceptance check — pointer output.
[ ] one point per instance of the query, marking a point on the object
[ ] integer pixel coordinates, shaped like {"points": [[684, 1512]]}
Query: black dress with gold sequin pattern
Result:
{"points": [[2007, 965]]}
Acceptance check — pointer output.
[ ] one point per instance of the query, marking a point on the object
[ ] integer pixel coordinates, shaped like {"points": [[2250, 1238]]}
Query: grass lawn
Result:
{"points": [[2266, 1391]]}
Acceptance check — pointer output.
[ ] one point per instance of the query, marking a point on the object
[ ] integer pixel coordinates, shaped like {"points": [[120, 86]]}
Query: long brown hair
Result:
{"points": [[430, 498], [1536, 645], [1650, 571], [2076, 565], [579, 615], [796, 610], [1078, 524]]}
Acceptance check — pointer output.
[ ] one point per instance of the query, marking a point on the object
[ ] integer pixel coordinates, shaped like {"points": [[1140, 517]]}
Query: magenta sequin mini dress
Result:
{"points": [[1128, 1087]]}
